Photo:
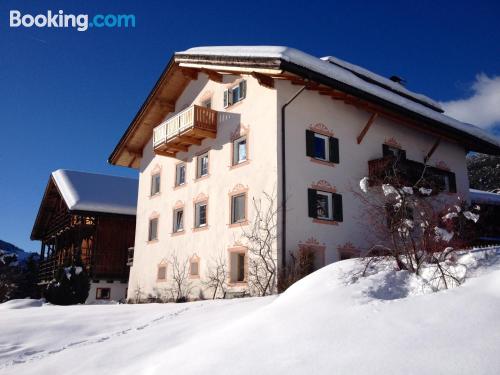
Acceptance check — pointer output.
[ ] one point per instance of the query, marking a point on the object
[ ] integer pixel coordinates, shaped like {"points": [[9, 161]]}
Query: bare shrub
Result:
{"points": [[260, 239], [217, 276], [300, 265], [417, 228], [181, 286]]}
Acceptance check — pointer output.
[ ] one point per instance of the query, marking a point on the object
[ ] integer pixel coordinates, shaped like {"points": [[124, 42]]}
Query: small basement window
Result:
{"points": [[103, 293], [235, 94], [153, 229], [194, 267], [239, 150], [155, 184], [162, 273], [322, 147]]}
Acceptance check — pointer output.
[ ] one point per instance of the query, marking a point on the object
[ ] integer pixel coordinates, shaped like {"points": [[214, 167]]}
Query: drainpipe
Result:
{"points": [[283, 176]]}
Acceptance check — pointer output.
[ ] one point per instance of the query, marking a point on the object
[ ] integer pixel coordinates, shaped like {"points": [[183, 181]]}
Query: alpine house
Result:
{"points": [[225, 126], [88, 218]]}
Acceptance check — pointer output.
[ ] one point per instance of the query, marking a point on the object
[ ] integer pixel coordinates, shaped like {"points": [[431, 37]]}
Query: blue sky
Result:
{"points": [[67, 96]]}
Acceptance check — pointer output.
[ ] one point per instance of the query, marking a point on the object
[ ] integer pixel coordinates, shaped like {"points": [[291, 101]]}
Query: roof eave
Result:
{"points": [[478, 144]]}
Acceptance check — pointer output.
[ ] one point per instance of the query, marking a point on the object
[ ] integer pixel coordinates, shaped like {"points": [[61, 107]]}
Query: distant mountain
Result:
{"points": [[9, 248]]}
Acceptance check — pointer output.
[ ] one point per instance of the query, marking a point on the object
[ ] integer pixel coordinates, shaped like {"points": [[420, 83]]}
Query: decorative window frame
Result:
{"points": [[348, 248], [238, 189], [156, 170], [324, 186], [229, 87], [197, 156], [154, 215], [175, 187], [163, 263], [194, 259], [392, 142], [239, 250], [240, 132], [318, 248], [200, 199], [322, 129], [179, 205]]}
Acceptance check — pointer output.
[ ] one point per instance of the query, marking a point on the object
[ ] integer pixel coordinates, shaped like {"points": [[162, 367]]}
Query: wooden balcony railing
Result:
{"points": [[186, 128], [407, 172]]}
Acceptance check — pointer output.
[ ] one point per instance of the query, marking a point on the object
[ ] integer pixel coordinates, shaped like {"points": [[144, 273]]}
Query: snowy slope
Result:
{"points": [[324, 324]]}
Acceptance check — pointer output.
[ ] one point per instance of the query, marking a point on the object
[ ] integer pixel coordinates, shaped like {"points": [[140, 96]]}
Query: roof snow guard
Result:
{"points": [[329, 71]]}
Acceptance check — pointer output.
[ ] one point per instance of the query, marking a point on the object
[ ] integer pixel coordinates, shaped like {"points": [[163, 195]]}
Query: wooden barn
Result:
{"points": [[90, 217]]}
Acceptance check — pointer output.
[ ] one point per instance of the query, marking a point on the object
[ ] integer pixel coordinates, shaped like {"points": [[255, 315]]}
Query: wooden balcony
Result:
{"points": [[189, 127]]}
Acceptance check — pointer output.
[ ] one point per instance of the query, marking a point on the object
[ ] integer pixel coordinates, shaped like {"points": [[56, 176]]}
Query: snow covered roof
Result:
{"points": [[384, 82], [350, 75], [484, 197], [83, 191]]}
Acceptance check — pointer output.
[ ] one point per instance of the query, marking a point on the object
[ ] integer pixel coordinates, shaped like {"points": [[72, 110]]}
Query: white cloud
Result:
{"points": [[482, 108]]}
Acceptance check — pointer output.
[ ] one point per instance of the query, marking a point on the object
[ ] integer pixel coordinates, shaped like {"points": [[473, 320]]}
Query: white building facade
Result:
{"points": [[209, 142]]}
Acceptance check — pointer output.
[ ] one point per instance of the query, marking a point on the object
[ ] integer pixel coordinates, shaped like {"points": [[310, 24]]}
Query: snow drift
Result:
{"points": [[329, 322]]}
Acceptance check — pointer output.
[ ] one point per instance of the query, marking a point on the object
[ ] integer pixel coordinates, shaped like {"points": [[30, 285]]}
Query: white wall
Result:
{"points": [[118, 291], [257, 114], [346, 122]]}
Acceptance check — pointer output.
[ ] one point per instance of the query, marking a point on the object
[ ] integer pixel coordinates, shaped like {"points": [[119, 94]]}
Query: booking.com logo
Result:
{"points": [[80, 21]]}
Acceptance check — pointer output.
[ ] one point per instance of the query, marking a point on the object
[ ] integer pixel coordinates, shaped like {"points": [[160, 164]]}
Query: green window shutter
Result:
{"points": [[243, 89], [226, 98], [309, 143], [311, 199], [453, 182], [334, 149], [337, 208]]}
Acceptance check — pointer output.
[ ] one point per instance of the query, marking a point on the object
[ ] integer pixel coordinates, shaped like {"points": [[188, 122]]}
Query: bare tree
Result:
{"points": [[261, 238], [217, 276], [181, 286], [415, 226], [138, 293]]}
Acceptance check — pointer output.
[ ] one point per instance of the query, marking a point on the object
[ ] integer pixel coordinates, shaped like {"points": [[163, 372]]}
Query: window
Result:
{"points": [[207, 103], [325, 205], [200, 214], [202, 165], [237, 272], [239, 150], [153, 229], [178, 220], [388, 150], [155, 184], [194, 269], [238, 209], [103, 293], [441, 180], [162, 273], [235, 94], [322, 147], [180, 174]]}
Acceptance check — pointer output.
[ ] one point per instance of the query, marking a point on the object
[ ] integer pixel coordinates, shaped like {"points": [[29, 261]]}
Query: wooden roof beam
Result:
{"points": [[431, 151], [369, 123], [264, 80], [188, 73], [213, 75]]}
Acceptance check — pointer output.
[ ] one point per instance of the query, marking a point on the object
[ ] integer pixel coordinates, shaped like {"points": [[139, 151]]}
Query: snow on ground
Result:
{"points": [[385, 323]]}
